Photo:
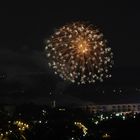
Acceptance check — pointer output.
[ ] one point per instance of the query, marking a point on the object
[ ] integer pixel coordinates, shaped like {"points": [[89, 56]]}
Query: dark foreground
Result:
{"points": [[30, 122]]}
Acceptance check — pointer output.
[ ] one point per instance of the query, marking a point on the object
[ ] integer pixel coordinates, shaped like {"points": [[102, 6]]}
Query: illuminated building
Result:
{"points": [[92, 108]]}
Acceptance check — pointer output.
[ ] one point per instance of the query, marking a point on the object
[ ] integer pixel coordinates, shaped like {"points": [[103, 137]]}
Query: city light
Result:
{"points": [[81, 126], [21, 126], [106, 136]]}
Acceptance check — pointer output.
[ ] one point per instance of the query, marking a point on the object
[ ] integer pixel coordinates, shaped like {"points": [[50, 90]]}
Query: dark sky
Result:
{"points": [[24, 28]]}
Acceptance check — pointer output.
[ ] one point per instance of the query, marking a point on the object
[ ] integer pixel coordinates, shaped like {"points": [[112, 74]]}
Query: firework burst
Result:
{"points": [[78, 53]]}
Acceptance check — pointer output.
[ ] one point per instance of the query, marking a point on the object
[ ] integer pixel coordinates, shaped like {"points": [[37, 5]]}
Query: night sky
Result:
{"points": [[23, 66]]}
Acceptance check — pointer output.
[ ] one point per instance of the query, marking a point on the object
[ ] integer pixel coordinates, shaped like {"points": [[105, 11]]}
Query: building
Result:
{"points": [[92, 108]]}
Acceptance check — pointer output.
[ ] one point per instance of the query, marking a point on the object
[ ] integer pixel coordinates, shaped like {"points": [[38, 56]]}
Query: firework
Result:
{"points": [[78, 53]]}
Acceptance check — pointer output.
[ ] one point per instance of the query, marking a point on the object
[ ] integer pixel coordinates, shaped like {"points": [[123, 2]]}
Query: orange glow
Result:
{"points": [[83, 48]]}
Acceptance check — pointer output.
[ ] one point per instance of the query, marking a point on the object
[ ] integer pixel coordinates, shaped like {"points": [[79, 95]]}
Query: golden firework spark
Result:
{"points": [[78, 52]]}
